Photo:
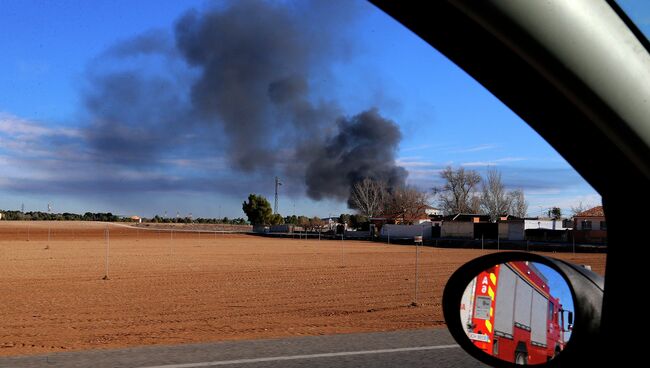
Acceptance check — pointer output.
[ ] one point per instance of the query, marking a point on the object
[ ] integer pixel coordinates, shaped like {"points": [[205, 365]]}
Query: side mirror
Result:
{"points": [[569, 319], [508, 308]]}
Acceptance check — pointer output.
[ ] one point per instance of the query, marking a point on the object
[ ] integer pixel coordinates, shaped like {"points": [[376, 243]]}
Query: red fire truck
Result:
{"points": [[511, 314]]}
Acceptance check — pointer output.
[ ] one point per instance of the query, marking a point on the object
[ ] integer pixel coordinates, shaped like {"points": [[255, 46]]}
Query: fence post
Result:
{"points": [[574, 243], [342, 252], [107, 240], [417, 266], [49, 230]]}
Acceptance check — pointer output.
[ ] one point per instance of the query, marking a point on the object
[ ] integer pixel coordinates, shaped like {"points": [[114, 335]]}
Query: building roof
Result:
{"points": [[510, 218], [466, 217], [592, 212]]}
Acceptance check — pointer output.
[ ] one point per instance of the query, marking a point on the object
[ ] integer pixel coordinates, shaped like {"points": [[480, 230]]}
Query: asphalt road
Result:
{"points": [[417, 348]]}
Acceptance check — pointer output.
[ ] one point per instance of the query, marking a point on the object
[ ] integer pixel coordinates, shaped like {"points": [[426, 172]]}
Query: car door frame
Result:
{"points": [[594, 138]]}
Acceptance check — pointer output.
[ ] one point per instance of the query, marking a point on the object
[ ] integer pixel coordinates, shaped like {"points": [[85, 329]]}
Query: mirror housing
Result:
{"points": [[586, 288]]}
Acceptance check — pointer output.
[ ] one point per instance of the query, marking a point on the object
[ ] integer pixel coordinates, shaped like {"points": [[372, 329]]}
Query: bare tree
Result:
{"points": [[519, 206], [495, 201], [458, 191], [475, 204], [368, 197], [407, 203], [580, 207]]}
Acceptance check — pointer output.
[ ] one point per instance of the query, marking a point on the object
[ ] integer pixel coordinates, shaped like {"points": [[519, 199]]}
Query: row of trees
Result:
{"points": [[109, 217], [463, 191], [66, 216], [372, 198], [258, 210], [200, 220]]}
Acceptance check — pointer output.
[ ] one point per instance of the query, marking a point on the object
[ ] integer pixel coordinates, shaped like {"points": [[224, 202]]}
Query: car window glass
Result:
{"points": [[183, 172]]}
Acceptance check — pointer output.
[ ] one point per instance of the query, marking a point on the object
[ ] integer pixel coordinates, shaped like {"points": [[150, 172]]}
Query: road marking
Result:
{"points": [[296, 357]]}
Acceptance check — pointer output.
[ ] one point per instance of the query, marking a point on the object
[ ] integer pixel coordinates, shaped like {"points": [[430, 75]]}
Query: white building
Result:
{"points": [[542, 223]]}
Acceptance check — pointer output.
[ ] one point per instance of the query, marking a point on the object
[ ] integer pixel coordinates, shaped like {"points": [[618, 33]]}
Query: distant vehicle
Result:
{"points": [[511, 314]]}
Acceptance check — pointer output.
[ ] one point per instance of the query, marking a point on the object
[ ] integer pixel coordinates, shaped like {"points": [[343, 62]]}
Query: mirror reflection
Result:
{"points": [[521, 312]]}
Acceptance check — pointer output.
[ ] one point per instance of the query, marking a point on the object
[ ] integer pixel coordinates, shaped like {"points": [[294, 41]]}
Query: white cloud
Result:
{"points": [[209, 163], [481, 147], [493, 162], [414, 163], [417, 148], [424, 174], [15, 127], [544, 191]]}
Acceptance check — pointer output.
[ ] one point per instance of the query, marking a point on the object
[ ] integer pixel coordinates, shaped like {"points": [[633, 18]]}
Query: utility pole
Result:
{"points": [[277, 184]]}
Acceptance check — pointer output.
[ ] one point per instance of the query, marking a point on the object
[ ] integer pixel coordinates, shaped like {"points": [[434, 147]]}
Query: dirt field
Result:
{"points": [[171, 288]]}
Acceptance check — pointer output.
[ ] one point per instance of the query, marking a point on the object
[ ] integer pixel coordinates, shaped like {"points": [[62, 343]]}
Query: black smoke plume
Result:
{"points": [[235, 82], [364, 147]]}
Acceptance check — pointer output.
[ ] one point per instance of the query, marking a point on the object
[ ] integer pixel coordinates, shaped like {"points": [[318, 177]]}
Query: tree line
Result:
{"points": [[109, 217], [465, 191], [66, 216], [200, 220], [461, 191], [258, 210]]}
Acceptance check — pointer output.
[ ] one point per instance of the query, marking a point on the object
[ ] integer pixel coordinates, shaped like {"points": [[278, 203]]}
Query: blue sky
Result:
{"points": [[55, 52]]}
